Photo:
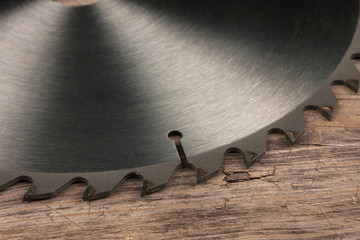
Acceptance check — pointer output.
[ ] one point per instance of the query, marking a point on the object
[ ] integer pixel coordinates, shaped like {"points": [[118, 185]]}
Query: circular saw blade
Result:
{"points": [[91, 93]]}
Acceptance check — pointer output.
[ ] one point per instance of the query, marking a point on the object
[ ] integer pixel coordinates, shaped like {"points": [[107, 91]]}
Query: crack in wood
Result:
{"points": [[243, 176]]}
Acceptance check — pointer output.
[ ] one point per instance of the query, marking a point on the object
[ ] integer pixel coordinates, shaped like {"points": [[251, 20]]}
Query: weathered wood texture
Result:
{"points": [[309, 190]]}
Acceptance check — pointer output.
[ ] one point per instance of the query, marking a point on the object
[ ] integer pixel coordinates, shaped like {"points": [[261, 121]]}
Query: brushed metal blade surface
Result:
{"points": [[91, 93]]}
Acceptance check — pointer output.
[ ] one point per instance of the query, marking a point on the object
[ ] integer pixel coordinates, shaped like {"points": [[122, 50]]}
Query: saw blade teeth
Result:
{"points": [[9, 178], [352, 84], [90, 194], [149, 187], [101, 185], [251, 157], [326, 112], [48, 185], [347, 73], [156, 176], [207, 164], [291, 135], [202, 176], [252, 147], [204, 173], [206, 168], [292, 130], [323, 101]]}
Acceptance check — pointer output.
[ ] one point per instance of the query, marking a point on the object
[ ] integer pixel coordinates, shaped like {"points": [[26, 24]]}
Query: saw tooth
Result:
{"points": [[203, 171], [252, 157], [207, 164], [291, 125], [206, 171], [49, 185], [352, 84], [347, 73], [291, 135], [252, 148], [326, 111], [324, 97], [249, 156], [348, 68], [9, 178], [156, 176], [100, 185], [324, 101]]}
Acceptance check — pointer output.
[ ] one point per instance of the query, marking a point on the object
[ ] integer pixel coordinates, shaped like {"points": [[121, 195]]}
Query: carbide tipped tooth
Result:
{"points": [[292, 136], [207, 164], [324, 101], [294, 131], [90, 193], [251, 157], [100, 185], [326, 112], [28, 194], [47, 186], [156, 177], [292, 125], [352, 84], [202, 176], [253, 147], [87, 195], [149, 187]]}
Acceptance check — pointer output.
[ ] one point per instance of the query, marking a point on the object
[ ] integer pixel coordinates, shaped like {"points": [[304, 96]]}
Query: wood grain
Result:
{"points": [[310, 190]]}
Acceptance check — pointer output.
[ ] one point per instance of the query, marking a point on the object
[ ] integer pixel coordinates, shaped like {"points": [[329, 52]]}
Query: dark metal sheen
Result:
{"points": [[98, 88]]}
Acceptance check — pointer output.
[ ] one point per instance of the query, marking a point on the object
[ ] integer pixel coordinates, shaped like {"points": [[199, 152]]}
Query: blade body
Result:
{"points": [[89, 92]]}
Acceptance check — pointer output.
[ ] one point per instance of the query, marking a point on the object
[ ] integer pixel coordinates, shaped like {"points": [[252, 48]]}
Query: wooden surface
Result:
{"points": [[310, 190]]}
